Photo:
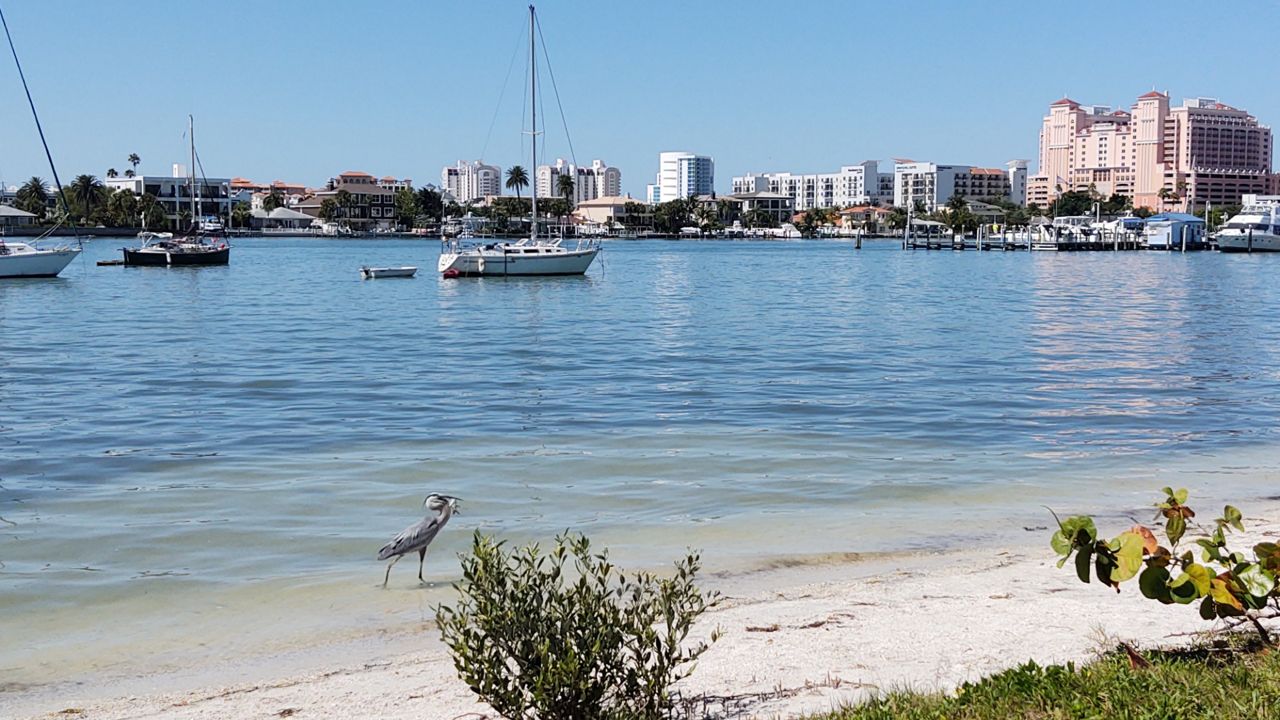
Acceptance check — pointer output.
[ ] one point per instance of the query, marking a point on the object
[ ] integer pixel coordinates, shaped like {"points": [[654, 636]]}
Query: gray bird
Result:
{"points": [[420, 534]]}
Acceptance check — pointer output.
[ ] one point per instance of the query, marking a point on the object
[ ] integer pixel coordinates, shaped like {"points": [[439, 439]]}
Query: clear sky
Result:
{"points": [[300, 91]]}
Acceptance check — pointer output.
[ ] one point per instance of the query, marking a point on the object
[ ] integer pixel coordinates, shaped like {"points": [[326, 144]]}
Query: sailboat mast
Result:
{"points": [[533, 114], [191, 185]]}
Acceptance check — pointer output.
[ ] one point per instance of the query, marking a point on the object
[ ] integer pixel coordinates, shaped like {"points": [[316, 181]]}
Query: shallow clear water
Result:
{"points": [[210, 458]]}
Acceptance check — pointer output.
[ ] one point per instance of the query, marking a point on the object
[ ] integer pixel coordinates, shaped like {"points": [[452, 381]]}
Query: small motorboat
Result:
{"points": [[370, 273]]}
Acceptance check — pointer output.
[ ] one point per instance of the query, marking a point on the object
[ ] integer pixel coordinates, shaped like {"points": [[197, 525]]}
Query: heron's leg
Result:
{"points": [[394, 560], [422, 556]]}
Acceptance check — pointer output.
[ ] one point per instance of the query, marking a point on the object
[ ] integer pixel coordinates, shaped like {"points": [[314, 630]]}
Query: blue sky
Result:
{"points": [[301, 91]]}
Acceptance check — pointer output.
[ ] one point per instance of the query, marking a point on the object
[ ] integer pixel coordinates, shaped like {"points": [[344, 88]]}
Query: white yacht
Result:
{"points": [[529, 256], [1255, 229], [23, 260]]}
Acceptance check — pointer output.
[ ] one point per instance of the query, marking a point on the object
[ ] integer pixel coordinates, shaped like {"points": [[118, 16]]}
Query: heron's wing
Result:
{"points": [[415, 537]]}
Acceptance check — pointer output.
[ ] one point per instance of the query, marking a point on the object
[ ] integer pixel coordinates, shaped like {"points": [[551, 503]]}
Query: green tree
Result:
{"points": [[897, 219], [111, 172], [122, 208], [329, 209], [517, 179], [759, 218], [1143, 212], [86, 192], [129, 173], [33, 197], [241, 215], [565, 187], [406, 207], [430, 203], [133, 161], [344, 199], [273, 200]]}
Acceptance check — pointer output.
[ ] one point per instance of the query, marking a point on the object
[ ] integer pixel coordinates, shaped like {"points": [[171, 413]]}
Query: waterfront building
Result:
{"points": [[682, 175], [215, 196], [395, 185], [780, 207], [933, 185], [470, 181], [614, 211], [1161, 157], [13, 217], [292, 193], [371, 206], [589, 183], [852, 185]]}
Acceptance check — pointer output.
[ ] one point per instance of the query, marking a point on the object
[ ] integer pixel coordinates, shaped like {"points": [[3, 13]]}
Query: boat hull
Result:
{"points": [[160, 258], [516, 264], [398, 272], [38, 264], [1262, 242]]}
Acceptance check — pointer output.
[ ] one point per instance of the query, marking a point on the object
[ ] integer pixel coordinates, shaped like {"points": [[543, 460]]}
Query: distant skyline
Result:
{"points": [[303, 91]]}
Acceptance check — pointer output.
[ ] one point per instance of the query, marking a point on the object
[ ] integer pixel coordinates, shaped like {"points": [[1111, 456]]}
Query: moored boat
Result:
{"points": [[1256, 228], [22, 260], [371, 273]]}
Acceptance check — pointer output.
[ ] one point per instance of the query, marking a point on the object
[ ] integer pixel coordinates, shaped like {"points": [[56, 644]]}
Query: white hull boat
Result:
{"points": [[524, 258], [373, 273], [1255, 229], [20, 260]]}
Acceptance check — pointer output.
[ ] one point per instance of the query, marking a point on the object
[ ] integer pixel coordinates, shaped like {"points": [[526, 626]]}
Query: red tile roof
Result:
{"points": [[1065, 101], [355, 173], [1152, 94]]}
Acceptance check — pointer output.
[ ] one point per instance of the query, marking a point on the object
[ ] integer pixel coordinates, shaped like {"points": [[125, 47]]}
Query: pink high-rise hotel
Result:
{"points": [[1198, 153]]}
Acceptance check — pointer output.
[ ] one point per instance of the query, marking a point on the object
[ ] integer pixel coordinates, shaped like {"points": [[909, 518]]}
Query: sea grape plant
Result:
{"points": [[565, 635], [1226, 583]]}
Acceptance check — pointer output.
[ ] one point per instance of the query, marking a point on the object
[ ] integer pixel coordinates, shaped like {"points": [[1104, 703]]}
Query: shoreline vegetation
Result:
{"points": [[904, 633]]}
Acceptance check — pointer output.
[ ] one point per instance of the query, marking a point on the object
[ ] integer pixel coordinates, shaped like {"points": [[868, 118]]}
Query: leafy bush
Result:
{"points": [[1227, 583], [534, 643]]}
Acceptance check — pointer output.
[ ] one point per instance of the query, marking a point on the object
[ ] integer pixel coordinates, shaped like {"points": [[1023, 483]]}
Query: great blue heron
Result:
{"points": [[420, 534]]}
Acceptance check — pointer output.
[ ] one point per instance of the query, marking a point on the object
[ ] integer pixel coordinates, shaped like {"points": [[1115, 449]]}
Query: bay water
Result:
{"points": [[200, 464]]}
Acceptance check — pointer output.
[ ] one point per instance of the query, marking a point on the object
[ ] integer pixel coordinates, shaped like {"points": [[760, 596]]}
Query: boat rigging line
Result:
{"points": [[62, 193], [563, 122]]}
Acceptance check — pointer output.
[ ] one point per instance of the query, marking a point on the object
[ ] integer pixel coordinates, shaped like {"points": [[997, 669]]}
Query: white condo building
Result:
{"points": [[214, 196], [680, 175], [852, 185], [470, 181], [933, 185], [589, 183]]}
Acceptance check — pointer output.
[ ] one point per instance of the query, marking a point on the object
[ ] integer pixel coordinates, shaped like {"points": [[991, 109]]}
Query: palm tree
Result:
{"points": [[111, 172], [565, 187], [134, 160], [273, 200], [343, 199], [1165, 196], [86, 190], [517, 179], [33, 196], [328, 209], [129, 173]]}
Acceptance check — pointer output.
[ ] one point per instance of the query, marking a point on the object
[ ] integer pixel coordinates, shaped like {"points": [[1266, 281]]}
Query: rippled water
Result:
{"points": [[212, 457]]}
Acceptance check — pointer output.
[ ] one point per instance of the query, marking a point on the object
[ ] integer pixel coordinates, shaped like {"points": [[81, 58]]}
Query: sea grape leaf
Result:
{"points": [[1076, 531], [1104, 564], [1255, 580], [1221, 594], [1082, 564], [1201, 576], [1233, 517], [1128, 556], [1180, 496], [1268, 555], [1193, 583], [1175, 528], [1207, 609], [1154, 583], [1149, 542]]}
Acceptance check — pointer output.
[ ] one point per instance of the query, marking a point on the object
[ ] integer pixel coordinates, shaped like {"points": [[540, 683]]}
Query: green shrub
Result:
{"points": [[1226, 583], [534, 643]]}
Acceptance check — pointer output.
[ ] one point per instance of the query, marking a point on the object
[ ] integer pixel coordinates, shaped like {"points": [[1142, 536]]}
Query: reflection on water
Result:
{"points": [[186, 452]]}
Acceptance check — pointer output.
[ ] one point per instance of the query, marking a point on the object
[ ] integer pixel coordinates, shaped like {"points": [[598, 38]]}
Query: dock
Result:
{"points": [[105, 263]]}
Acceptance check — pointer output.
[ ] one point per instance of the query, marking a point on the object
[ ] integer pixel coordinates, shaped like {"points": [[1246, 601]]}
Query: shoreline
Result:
{"points": [[795, 639]]}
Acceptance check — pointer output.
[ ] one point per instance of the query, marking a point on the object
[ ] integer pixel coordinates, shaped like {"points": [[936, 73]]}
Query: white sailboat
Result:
{"points": [[528, 256], [26, 260]]}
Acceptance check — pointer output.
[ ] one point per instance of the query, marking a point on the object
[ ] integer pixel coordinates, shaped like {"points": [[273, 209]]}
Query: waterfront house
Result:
{"points": [[867, 217], [281, 218], [13, 217], [215, 196], [779, 206], [1167, 231], [370, 205]]}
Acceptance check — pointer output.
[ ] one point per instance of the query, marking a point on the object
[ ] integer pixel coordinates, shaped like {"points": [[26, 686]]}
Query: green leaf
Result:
{"points": [[1180, 496], [1128, 556], [1074, 532], [1255, 580], [1082, 564], [1193, 583], [1233, 517], [1175, 528], [1221, 594], [1154, 583], [1268, 555], [1207, 609]]}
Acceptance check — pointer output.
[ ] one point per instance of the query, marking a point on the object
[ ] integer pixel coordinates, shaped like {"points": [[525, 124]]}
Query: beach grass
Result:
{"points": [[1233, 678]]}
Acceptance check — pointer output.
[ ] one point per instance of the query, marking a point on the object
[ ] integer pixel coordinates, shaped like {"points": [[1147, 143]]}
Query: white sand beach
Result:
{"points": [[792, 644]]}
